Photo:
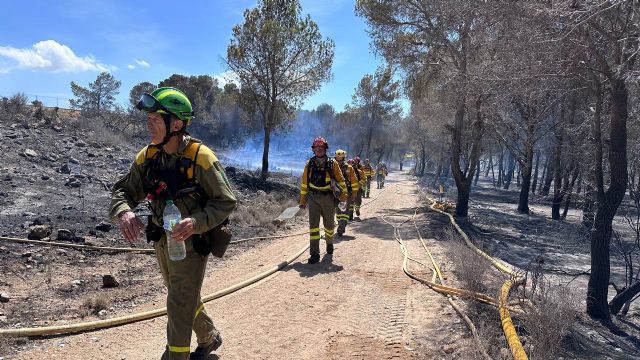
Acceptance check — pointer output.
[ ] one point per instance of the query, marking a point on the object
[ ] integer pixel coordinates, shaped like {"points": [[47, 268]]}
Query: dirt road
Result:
{"points": [[357, 304]]}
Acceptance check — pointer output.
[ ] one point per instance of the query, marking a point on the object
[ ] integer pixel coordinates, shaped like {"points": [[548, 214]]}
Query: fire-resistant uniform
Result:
{"points": [[362, 182], [317, 191], [368, 173], [183, 279], [352, 189], [381, 173]]}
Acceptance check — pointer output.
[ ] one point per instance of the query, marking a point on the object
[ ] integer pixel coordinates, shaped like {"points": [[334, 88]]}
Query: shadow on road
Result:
{"points": [[325, 266]]}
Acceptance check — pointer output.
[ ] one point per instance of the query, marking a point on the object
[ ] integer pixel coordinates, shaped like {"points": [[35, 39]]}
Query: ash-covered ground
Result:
{"points": [[55, 185]]}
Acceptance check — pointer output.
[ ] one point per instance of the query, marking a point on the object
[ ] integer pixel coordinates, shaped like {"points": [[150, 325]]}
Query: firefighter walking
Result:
{"points": [[317, 192], [368, 173], [202, 194], [343, 215], [381, 173], [357, 167]]}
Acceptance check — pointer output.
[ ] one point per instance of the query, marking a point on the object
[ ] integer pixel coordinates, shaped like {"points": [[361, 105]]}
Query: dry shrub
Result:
{"points": [[95, 305], [102, 132], [261, 210], [550, 317], [470, 268]]}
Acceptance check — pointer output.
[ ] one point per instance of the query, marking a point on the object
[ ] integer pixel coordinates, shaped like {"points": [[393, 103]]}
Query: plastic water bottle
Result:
{"points": [[342, 205], [171, 217]]}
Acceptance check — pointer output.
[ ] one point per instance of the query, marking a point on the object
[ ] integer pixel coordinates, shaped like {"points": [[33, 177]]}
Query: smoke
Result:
{"points": [[290, 146]]}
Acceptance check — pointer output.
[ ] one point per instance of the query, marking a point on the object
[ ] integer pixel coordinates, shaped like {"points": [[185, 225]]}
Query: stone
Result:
{"points": [[30, 153], [104, 226], [108, 281], [39, 232], [4, 298], [448, 349], [102, 313], [65, 234], [45, 177], [261, 193], [26, 254], [64, 169]]}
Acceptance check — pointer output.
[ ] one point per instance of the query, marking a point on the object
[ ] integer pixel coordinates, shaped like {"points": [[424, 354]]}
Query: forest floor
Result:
{"points": [[356, 304]]}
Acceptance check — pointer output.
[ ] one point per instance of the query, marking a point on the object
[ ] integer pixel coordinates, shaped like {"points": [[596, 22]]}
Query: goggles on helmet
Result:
{"points": [[150, 104]]}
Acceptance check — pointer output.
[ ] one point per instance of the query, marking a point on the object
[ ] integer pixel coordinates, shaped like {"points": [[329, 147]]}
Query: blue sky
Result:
{"points": [[44, 45]]}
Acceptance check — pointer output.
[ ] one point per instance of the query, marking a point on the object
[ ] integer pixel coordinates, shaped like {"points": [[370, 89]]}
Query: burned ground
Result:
{"points": [[55, 182]]}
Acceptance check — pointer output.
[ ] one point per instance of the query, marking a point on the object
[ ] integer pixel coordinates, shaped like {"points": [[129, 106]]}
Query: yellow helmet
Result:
{"points": [[341, 153]]}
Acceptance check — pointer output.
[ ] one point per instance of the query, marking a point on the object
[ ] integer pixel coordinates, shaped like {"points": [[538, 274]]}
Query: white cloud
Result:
{"points": [[227, 77], [49, 55], [131, 66], [142, 63]]}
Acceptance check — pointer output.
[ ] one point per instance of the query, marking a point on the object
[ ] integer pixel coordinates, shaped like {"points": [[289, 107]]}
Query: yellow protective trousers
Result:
{"points": [[185, 310], [321, 205]]}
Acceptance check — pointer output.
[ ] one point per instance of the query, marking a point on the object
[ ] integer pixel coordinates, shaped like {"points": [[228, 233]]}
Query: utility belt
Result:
{"points": [[214, 241], [321, 191]]}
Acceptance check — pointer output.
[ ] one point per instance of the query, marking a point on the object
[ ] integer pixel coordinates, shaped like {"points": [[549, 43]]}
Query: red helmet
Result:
{"points": [[320, 141], [356, 159]]}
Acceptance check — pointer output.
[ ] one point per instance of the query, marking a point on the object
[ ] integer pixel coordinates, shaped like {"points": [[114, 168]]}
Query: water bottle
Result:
{"points": [[171, 217], [342, 205]]}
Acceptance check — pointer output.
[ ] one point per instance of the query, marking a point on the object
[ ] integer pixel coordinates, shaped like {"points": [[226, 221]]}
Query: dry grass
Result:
{"points": [[100, 131], [95, 305], [470, 268], [552, 313], [261, 211]]}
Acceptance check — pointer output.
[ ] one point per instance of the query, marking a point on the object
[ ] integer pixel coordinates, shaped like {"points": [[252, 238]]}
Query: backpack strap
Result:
{"points": [[191, 154]]}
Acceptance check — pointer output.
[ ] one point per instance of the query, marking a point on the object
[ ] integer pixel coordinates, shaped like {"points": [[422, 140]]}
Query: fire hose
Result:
{"points": [[507, 324], [127, 319], [437, 276]]}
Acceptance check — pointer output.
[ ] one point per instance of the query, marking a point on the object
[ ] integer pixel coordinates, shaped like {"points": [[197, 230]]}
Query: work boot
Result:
{"points": [[313, 259], [203, 351], [329, 248]]}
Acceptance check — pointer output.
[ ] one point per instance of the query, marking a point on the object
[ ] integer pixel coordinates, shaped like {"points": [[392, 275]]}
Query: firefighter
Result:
{"points": [[368, 173], [381, 173], [351, 180], [317, 192], [199, 188], [355, 163]]}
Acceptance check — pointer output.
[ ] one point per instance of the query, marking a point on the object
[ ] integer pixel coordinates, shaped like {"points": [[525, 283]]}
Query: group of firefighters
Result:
{"points": [[178, 171], [333, 188]]}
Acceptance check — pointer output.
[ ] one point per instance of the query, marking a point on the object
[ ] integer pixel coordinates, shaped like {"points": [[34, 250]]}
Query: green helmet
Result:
{"points": [[174, 101]]}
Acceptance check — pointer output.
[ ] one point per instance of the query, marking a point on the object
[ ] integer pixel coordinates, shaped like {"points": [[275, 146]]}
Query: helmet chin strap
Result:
{"points": [[170, 134]]}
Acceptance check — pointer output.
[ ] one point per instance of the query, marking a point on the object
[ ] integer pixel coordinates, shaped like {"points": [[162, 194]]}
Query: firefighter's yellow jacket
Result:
{"points": [[363, 178], [350, 177], [368, 170], [324, 185]]}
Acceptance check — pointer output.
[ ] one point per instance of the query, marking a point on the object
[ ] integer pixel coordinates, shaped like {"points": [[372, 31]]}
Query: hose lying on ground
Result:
{"points": [[130, 249], [507, 324], [437, 276], [127, 319]]}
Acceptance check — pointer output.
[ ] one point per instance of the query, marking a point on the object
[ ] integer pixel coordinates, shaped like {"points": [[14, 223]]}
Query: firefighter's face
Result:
{"points": [[156, 128], [319, 151]]}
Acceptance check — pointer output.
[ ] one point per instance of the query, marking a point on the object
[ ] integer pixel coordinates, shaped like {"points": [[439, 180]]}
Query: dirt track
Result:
{"points": [[357, 304]]}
